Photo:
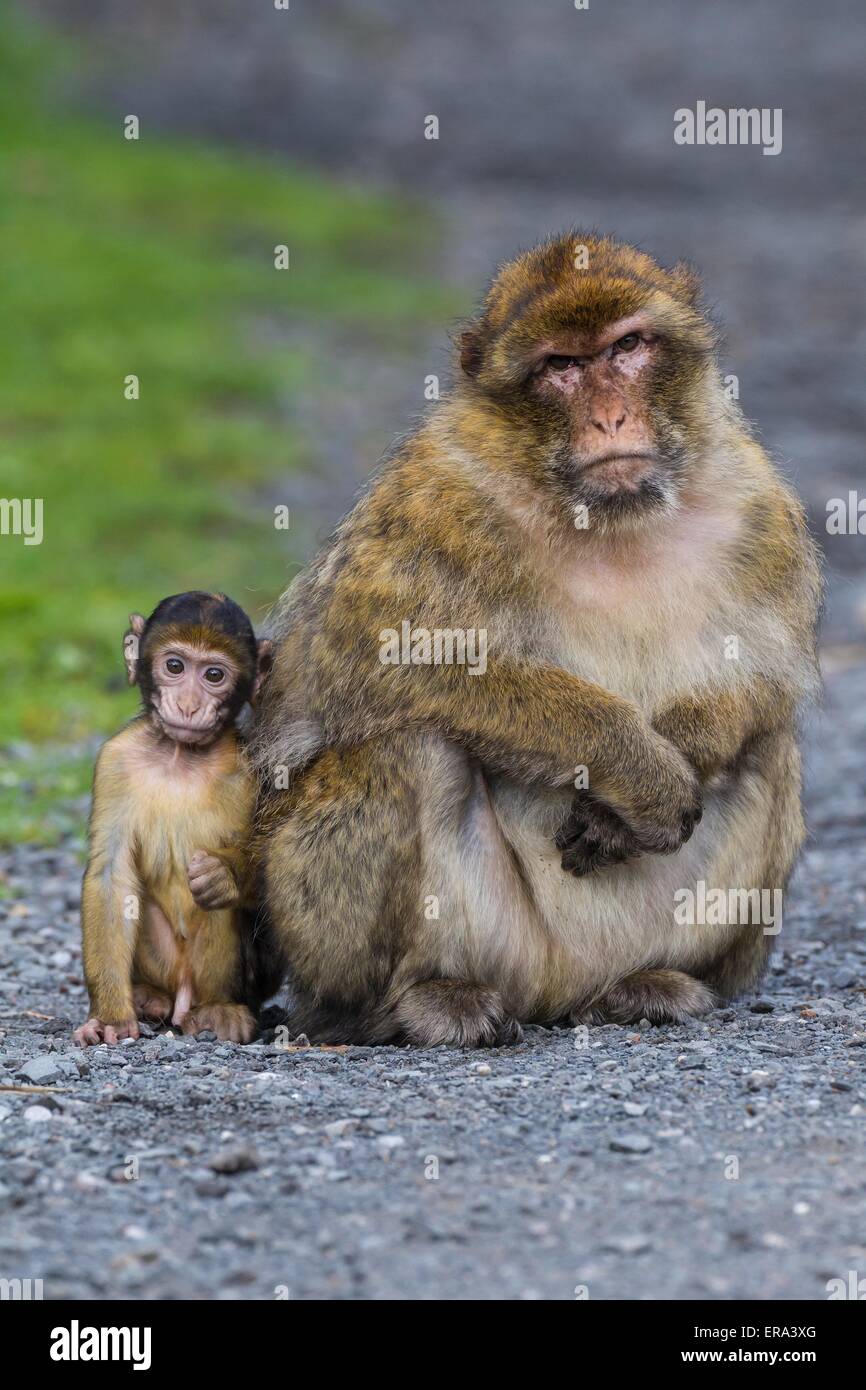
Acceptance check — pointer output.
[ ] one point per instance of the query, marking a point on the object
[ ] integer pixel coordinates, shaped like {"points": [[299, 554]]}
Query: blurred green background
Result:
{"points": [[156, 258]]}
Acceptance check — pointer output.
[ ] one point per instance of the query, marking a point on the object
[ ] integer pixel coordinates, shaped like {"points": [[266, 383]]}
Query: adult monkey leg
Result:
{"points": [[347, 864]]}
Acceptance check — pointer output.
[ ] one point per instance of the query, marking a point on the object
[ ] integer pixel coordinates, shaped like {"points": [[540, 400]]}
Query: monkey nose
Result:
{"points": [[609, 421]]}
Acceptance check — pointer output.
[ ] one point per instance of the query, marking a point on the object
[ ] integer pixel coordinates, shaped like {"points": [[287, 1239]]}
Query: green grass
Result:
{"points": [[152, 257]]}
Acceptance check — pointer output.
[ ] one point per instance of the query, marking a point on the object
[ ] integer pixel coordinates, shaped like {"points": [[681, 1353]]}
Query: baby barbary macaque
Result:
{"points": [[167, 909]]}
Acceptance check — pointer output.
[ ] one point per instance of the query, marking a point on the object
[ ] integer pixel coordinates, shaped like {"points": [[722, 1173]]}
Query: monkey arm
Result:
{"points": [[223, 877], [111, 902], [711, 727], [539, 724]]}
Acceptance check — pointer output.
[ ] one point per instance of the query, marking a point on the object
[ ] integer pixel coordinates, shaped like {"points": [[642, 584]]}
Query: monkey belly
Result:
{"points": [[424, 867], [511, 918], [639, 915], [169, 955]]}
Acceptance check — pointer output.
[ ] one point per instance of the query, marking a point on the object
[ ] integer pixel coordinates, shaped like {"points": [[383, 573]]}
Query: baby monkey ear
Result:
{"points": [[130, 646], [264, 662]]}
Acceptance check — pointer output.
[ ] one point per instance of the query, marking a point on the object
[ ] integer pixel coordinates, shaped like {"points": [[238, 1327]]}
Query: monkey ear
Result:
{"points": [[264, 662], [471, 354], [131, 641], [688, 282]]}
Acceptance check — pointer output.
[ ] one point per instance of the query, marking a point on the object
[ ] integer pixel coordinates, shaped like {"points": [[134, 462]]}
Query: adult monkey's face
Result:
{"points": [[605, 372]]}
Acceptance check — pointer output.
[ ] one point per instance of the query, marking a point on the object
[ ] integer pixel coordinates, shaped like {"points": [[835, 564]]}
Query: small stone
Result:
{"points": [[632, 1108], [630, 1144], [773, 1241], [337, 1128], [761, 1006], [390, 1141], [87, 1182], [483, 1069], [37, 1114], [212, 1187], [631, 1244], [41, 1070], [239, 1159], [61, 959]]}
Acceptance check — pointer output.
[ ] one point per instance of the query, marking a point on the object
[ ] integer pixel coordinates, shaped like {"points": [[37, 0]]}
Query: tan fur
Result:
{"points": [[607, 650], [154, 805]]}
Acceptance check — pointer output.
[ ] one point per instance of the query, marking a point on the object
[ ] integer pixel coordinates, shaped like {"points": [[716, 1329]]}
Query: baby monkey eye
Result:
{"points": [[174, 665], [214, 674], [628, 343]]}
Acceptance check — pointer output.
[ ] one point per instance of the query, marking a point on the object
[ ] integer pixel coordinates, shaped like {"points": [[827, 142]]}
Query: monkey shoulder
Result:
{"points": [[427, 537], [112, 760], [778, 558]]}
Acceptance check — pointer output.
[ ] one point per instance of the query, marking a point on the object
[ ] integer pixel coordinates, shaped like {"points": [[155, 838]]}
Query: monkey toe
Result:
{"points": [[587, 855], [455, 1013], [594, 837], [96, 1031], [229, 1022], [662, 996], [509, 1033], [152, 1006]]}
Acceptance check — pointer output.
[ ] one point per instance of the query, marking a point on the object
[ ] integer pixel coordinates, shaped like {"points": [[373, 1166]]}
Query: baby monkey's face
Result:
{"points": [[192, 692]]}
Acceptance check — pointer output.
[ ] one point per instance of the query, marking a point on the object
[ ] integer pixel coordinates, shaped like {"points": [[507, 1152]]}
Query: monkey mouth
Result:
{"points": [[619, 471], [620, 456], [187, 733]]}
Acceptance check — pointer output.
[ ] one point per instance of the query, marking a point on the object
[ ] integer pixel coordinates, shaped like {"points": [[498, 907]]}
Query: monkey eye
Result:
{"points": [[174, 665], [559, 362], [214, 674], [628, 343]]}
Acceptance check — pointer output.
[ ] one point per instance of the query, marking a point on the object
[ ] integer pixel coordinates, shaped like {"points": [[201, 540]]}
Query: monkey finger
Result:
{"points": [[89, 1034], [576, 861], [572, 830]]}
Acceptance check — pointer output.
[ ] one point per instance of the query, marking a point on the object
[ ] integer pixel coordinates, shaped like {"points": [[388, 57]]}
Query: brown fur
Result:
{"points": [[606, 650]]}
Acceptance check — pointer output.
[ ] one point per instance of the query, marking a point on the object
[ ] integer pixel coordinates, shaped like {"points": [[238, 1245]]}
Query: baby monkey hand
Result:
{"points": [[211, 882]]}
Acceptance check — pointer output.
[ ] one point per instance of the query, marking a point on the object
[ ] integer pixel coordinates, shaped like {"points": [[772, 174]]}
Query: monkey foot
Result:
{"points": [[455, 1012], [594, 837], [662, 996], [230, 1022], [96, 1030], [151, 1005]]}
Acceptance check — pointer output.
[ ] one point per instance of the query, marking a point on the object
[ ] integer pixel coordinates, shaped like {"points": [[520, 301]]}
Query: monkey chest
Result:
{"points": [[644, 640], [173, 818]]}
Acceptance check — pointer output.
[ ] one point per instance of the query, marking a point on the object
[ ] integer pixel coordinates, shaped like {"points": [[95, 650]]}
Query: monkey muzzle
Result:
{"points": [[195, 729]]}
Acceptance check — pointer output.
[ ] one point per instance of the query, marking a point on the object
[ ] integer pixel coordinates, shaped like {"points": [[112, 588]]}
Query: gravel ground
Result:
{"points": [[719, 1160], [724, 1159]]}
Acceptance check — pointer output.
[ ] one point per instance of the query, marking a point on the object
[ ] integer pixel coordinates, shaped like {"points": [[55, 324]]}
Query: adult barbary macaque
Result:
{"points": [[590, 499], [167, 903]]}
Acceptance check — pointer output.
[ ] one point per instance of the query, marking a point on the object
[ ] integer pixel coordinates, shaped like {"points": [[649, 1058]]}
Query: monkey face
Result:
{"points": [[602, 368], [193, 692], [601, 384], [196, 661]]}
